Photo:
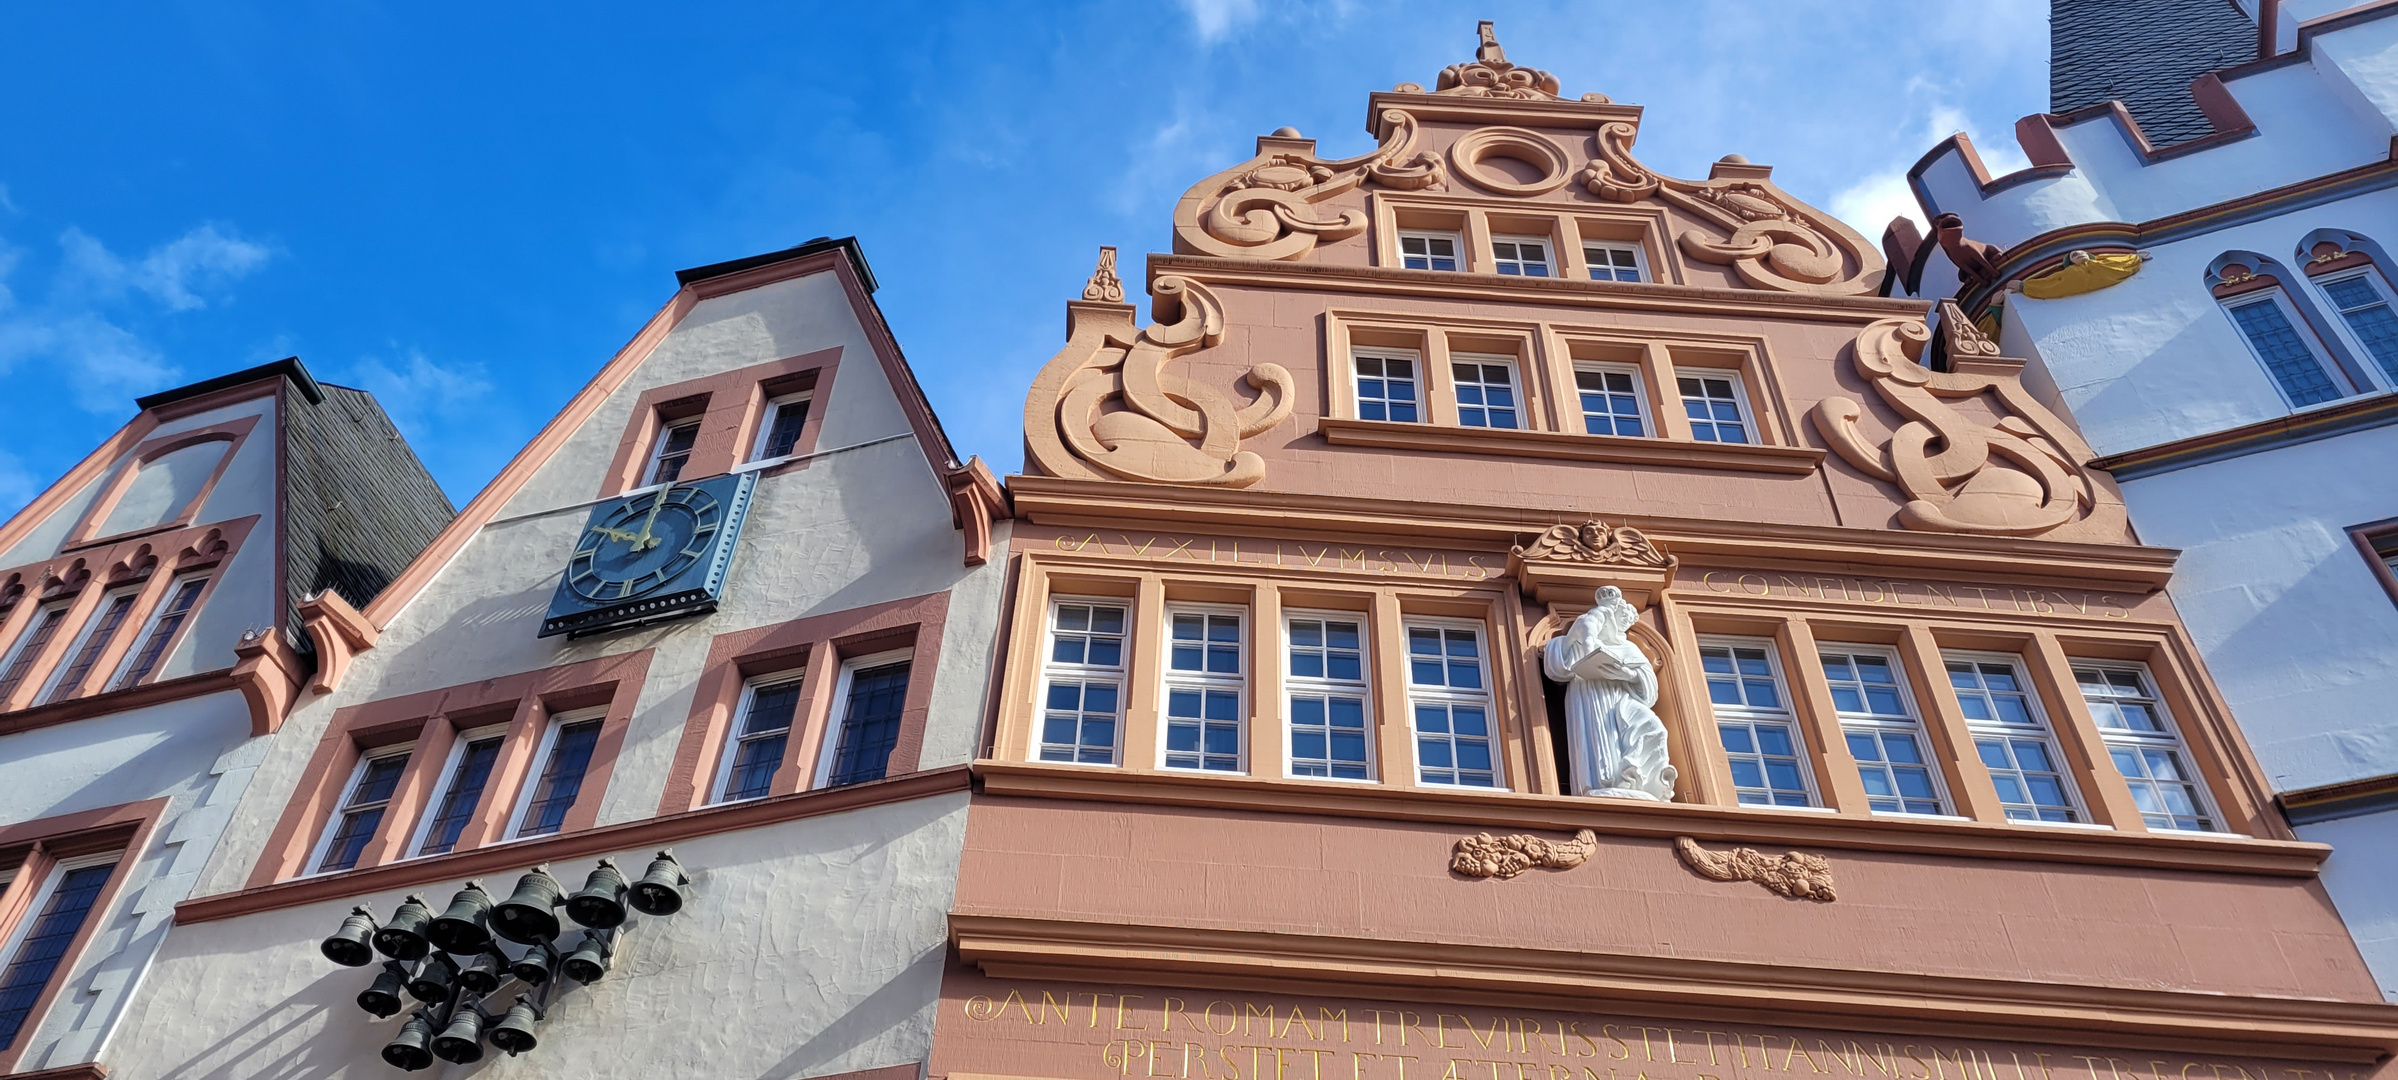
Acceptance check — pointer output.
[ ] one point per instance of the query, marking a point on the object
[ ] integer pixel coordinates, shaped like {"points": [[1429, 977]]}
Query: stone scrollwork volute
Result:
{"points": [[1107, 406], [1266, 207], [2019, 476]]}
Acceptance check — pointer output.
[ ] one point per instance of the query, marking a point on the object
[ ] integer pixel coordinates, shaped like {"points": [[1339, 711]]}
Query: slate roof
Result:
{"points": [[358, 506], [2143, 53]]}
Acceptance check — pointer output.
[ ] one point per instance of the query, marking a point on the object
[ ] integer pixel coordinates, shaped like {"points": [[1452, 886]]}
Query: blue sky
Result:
{"points": [[467, 209]]}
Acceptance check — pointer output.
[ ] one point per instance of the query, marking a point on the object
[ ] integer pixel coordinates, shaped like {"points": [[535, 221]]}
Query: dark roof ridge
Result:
{"points": [[289, 367]]}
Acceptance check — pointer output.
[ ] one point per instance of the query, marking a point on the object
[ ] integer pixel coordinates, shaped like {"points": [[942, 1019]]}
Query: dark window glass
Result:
{"points": [[2277, 343], [103, 629], [44, 628], [674, 448], [765, 732], [363, 813], [464, 795], [562, 779], [170, 619], [871, 726], [45, 946], [789, 417]]}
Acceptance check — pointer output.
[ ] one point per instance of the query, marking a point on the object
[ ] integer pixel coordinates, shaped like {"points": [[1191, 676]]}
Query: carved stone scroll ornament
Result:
{"points": [[1104, 286], [1108, 407], [1485, 856], [2018, 477], [1265, 207], [1797, 875], [1594, 541], [1770, 239]]}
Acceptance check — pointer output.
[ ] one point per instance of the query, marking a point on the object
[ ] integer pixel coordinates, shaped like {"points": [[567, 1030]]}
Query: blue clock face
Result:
{"points": [[644, 543]]}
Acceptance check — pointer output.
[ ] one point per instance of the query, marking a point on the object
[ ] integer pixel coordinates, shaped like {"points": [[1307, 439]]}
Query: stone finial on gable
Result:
{"points": [[1104, 285], [1490, 75]]}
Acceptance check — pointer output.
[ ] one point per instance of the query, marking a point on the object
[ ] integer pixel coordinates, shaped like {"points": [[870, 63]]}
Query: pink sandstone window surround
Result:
{"points": [[729, 416], [155, 570], [825, 655], [42, 860], [231, 434], [528, 708]]}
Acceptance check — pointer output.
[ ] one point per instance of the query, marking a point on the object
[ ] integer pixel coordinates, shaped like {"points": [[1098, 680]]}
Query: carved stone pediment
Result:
{"points": [[1564, 564]]}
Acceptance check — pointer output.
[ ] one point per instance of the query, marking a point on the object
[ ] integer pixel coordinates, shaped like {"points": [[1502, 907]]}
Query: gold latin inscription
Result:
{"points": [[1234, 551], [1198, 1038], [1896, 593]]}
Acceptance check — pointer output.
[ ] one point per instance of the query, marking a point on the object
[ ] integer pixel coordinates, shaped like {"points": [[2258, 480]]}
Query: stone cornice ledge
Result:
{"points": [[1787, 460], [2354, 414], [1677, 987], [1509, 810], [631, 835], [1111, 505]]}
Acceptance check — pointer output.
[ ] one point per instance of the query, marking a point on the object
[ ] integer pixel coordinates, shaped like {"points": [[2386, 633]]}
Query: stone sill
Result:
{"points": [[1622, 449], [1502, 810]]}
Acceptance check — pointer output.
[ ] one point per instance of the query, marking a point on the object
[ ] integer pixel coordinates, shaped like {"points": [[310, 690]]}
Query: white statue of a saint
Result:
{"points": [[1618, 742]]}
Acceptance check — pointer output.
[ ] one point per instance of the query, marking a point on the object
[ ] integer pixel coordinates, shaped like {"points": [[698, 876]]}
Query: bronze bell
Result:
{"points": [[600, 905], [403, 938], [410, 1048], [462, 1042], [463, 928], [589, 961], [514, 1033], [484, 973], [530, 914], [535, 966], [434, 979], [348, 945], [382, 999], [660, 891]]}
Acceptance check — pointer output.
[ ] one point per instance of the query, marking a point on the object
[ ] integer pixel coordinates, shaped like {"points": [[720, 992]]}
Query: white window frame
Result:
{"points": [[1423, 407], [1750, 716], [2170, 739], [150, 623], [838, 715], [1487, 698], [1456, 241], [1362, 688], [1740, 399], [1548, 264], [25, 638], [1515, 387], [341, 805], [2382, 379], [1120, 674], [1911, 724], [32, 911], [1170, 680], [2044, 728], [2342, 386], [657, 449], [766, 420], [448, 776], [1640, 398], [1640, 259], [132, 595], [530, 783], [731, 750]]}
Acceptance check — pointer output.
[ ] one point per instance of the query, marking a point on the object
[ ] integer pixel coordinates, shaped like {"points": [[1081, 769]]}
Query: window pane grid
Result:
{"points": [[2286, 356], [1882, 732], [1485, 394], [1327, 698], [674, 449], [561, 778], [2145, 748], [759, 744], [1610, 263], [104, 628], [2012, 741], [870, 728], [362, 812], [45, 626], [1610, 402], [162, 631], [1386, 389], [2366, 313], [1080, 708], [1521, 258], [1713, 406], [782, 432], [1754, 724], [460, 796], [1428, 252], [45, 945], [1451, 708], [1203, 690]]}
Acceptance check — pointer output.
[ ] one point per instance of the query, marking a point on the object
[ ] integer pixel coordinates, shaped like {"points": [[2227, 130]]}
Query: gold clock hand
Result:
{"points": [[648, 541], [614, 534]]}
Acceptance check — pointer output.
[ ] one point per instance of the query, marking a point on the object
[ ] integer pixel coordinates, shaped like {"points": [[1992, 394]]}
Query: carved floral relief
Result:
{"points": [[1485, 856], [2020, 476], [1797, 875], [1109, 406]]}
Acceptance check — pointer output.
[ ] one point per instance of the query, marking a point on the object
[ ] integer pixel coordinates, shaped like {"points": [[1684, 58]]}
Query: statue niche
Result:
{"points": [[1618, 743]]}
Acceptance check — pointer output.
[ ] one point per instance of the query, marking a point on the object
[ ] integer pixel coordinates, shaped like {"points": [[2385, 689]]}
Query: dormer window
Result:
{"points": [[1522, 256], [674, 449], [1430, 251]]}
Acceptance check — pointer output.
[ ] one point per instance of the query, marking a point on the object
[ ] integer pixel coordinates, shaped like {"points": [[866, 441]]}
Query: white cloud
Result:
{"points": [[1216, 20], [171, 273], [5, 204], [18, 485], [418, 391], [105, 363], [1870, 203]]}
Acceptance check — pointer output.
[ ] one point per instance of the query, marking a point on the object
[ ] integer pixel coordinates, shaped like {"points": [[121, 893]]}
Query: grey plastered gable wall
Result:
{"points": [[2143, 53]]}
